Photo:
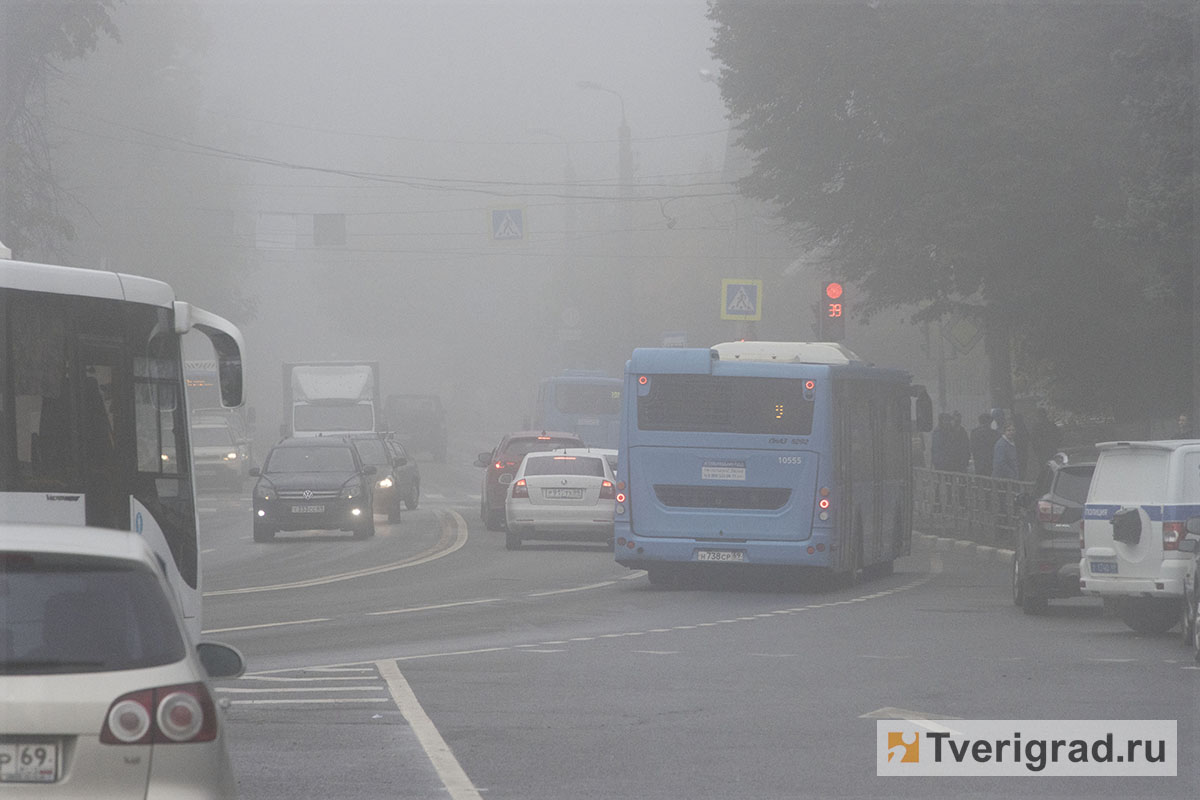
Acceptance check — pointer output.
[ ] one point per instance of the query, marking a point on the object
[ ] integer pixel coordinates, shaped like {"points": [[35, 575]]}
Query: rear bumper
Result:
{"points": [[642, 552], [1168, 583]]}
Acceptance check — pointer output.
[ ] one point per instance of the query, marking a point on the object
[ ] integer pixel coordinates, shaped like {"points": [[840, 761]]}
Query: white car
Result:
{"points": [[218, 456], [566, 494], [102, 692]]}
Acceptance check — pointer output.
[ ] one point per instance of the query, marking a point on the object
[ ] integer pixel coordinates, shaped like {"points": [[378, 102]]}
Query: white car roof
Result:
{"points": [[579, 451], [81, 540]]}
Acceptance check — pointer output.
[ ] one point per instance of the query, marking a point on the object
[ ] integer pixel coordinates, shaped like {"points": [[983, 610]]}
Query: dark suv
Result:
{"points": [[502, 463], [313, 483], [1046, 558]]}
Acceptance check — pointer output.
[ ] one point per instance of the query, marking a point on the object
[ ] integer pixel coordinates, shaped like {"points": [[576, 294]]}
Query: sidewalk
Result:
{"points": [[966, 547]]}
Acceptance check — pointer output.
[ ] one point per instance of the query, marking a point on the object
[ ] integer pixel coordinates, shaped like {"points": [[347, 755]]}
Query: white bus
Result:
{"points": [[93, 418]]}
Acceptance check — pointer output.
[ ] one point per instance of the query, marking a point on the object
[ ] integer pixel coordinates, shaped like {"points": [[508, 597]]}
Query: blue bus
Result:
{"points": [[765, 453], [584, 402]]}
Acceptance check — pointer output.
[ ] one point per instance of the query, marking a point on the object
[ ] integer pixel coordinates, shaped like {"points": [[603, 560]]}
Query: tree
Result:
{"points": [[957, 157], [35, 38]]}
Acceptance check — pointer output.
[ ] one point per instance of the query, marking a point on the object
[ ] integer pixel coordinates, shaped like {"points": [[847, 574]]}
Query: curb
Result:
{"points": [[943, 544]]}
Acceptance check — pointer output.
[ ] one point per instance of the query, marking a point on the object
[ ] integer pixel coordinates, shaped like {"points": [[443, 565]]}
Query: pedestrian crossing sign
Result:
{"points": [[508, 224], [741, 299]]}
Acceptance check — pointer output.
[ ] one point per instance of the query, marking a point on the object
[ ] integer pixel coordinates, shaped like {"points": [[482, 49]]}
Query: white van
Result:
{"points": [[1141, 497]]}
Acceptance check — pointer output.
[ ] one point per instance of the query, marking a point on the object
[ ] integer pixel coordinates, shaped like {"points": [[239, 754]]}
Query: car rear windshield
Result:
{"points": [[1072, 483], [519, 447], [310, 459], [67, 613], [564, 465]]}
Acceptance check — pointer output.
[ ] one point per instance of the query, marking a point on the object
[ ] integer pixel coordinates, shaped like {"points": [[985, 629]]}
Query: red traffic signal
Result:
{"points": [[831, 315]]}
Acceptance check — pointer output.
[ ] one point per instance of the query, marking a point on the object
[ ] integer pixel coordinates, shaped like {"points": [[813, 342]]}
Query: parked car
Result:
{"points": [[104, 693], [565, 494], [218, 456], [1046, 557], [1140, 499], [502, 462], [313, 483], [397, 476], [419, 421]]}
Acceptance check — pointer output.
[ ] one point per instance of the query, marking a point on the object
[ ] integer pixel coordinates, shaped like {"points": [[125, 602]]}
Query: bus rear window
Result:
{"points": [[720, 404]]}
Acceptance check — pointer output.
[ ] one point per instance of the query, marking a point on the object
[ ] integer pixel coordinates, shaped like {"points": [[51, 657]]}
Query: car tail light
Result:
{"points": [[166, 715], [1049, 512], [520, 489], [607, 492], [1173, 533]]}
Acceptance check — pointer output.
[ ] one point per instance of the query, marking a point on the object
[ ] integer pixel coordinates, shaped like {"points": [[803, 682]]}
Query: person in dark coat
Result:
{"points": [[1004, 456], [983, 444]]}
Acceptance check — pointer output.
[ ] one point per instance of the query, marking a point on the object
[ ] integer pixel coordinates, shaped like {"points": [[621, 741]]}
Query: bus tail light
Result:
{"points": [[607, 492], [1173, 533], [520, 489], [824, 504]]}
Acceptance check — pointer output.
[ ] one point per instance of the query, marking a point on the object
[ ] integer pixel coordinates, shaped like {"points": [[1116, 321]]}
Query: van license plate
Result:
{"points": [[1104, 567], [720, 555]]}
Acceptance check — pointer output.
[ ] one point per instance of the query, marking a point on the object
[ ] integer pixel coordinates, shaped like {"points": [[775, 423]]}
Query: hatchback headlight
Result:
{"points": [[349, 492], [386, 482]]}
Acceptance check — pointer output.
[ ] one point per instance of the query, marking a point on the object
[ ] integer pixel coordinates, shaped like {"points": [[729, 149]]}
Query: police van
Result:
{"points": [[1141, 497]]}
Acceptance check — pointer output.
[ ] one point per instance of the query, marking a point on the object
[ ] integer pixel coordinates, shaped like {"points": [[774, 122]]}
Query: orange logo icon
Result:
{"points": [[904, 746]]}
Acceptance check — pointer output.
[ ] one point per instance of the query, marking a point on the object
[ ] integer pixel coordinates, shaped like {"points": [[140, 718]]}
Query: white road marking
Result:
{"points": [[264, 625], [573, 589], [269, 690], [311, 701], [448, 769], [433, 608], [460, 539]]}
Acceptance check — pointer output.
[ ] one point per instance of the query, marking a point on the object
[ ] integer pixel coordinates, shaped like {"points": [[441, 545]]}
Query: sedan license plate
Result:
{"points": [[563, 494], [308, 509], [720, 555], [28, 762], [1104, 567]]}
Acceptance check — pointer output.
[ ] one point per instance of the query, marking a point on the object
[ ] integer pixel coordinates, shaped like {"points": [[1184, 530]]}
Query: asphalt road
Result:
{"points": [[429, 662]]}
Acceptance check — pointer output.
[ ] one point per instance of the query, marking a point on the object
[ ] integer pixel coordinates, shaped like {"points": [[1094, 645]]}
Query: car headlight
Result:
{"points": [[386, 482], [349, 492], [231, 456]]}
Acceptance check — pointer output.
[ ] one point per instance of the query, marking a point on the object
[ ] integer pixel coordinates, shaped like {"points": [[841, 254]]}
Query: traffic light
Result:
{"points": [[831, 314]]}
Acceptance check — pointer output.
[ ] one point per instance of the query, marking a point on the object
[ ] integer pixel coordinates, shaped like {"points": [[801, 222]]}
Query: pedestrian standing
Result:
{"points": [[1004, 455], [983, 444]]}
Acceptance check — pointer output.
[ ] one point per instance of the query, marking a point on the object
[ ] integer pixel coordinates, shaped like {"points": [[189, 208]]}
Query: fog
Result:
{"points": [[326, 175]]}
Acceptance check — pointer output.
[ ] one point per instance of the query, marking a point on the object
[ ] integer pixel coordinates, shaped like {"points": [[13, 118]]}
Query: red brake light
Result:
{"points": [[607, 492], [1049, 512], [166, 715], [1173, 533], [520, 489]]}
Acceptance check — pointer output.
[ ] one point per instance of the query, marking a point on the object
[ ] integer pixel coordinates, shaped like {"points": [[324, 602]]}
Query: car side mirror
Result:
{"points": [[400, 462], [483, 460], [220, 660], [254, 472], [368, 469]]}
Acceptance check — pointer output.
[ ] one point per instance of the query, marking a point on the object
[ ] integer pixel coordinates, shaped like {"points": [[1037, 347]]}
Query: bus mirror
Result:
{"points": [[924, 409]]}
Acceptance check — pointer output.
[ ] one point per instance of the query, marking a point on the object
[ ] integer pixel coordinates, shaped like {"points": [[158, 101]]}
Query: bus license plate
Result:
{"points": [[28, 762], [1104, 567], [720, 555], [308, 509]]}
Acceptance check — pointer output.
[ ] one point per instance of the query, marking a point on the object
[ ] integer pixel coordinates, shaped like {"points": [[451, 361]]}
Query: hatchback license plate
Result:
{"points": [[1104, 567], [28, 762], [720, 555], [563, 494], [308, 509]]}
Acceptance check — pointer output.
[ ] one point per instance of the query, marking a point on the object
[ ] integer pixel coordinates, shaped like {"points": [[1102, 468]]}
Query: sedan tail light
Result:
{"points": [[1049, 512], [520, 489], [166, 715], [607, 492]]}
